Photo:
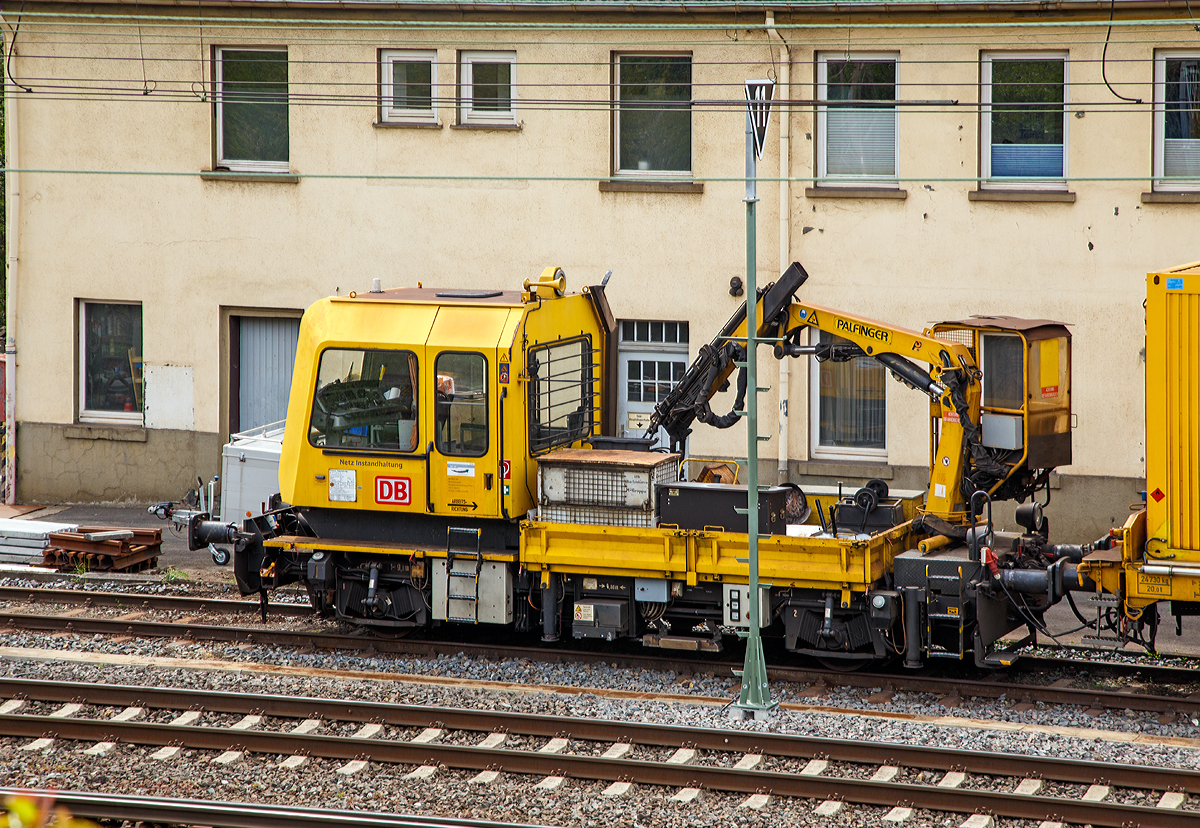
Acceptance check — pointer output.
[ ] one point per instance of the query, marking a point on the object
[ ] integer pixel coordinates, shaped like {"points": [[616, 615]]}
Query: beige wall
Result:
{"points": [[186, 247]]}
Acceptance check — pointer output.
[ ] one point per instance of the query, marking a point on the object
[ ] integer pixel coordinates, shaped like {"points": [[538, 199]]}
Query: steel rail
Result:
{"points": [[949, 686], [1024, 665], [599, 730], [219, 814], [866, 792], [132, 601]]}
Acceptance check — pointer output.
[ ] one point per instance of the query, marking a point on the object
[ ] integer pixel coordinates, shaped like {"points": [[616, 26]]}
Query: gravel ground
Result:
{"points": [[382, 787], [610, 677]]}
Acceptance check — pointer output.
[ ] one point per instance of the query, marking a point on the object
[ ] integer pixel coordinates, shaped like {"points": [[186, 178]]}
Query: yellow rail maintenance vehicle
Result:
{"points": [[448, 459]]}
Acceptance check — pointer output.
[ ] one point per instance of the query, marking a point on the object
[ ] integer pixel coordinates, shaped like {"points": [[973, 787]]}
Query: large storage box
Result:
{"points": [[250, 471], [602, 488], [700, 505], [1172, 416]]}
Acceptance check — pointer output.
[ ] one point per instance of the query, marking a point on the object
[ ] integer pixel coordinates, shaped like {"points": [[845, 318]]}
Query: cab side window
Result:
{"points": [[460, 408]]}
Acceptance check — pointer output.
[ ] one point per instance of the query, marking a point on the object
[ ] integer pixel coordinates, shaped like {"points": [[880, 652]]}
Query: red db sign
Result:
{"points": [[396, 491]]}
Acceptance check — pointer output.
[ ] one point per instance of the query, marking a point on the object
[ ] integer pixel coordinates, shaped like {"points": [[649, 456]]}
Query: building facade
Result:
{"points": [[183, 181]]}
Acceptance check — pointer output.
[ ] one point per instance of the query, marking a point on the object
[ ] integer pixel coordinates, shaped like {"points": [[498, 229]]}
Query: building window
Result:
{"points": [[1024, 119], [252, 109], [460, 409], [652, 376], [408, 87], [856, 139], [366, 399], [486, 82], [652, 359], [653, 116], [849, 407], [111, 386], [668, 333], [1177, 121], [562, 393]]}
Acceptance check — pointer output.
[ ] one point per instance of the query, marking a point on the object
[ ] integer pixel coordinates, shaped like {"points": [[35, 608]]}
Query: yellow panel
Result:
{"points": [[1173, 413], [606, 550], [1049, 367], [461, 328], [710, 556]]}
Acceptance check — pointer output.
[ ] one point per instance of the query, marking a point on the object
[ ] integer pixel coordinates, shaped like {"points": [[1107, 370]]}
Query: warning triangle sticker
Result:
{"points": [[758, 105], [812, 318]]}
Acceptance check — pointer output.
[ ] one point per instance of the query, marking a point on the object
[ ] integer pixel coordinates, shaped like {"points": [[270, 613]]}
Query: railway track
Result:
{"points": [[100, 719], [138, 600], [158, 811], [1185, 702]]}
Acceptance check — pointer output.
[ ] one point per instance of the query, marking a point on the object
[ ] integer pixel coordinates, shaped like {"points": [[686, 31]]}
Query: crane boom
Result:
{"points": [[961, 463]]}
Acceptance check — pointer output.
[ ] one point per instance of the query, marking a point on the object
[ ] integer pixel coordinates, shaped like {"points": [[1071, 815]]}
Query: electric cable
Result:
{"points": [[1112, 5], [12, 47]]}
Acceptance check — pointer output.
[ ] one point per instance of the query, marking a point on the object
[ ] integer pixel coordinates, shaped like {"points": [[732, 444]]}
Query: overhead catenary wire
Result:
{"points": [[325, 23], [590, 179]]}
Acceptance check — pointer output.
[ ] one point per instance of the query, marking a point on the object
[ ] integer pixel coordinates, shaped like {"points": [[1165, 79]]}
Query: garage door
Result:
{"points": [[267, 352]]}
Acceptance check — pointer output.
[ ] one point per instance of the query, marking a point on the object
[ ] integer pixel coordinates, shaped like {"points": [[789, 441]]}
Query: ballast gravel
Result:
{"points": [[513, 797], [612, 677]]}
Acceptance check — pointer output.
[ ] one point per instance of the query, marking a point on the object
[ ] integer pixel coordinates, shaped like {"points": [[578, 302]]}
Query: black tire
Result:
{"points": [[220, 555], [880, 488]]}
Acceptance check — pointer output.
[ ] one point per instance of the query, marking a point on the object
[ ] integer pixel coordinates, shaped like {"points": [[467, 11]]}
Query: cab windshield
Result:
{"points": [[365, 399]]}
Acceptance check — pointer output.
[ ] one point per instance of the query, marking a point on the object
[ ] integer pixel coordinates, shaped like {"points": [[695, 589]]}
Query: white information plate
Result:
{"points": [[343, 485]]}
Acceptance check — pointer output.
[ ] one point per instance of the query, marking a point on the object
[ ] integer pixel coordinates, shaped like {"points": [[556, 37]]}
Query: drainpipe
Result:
{"points": [[785, 220], [11, 230]]}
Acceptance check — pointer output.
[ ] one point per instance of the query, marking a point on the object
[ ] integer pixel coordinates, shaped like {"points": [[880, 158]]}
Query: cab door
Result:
{"points": [[460, 383]]}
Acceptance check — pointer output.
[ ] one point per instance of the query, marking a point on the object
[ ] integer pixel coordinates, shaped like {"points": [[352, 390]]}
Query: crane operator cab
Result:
{"points": [[1025, 404]]}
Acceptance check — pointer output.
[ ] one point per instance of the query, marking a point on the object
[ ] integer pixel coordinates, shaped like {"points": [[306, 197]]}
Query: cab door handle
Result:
{"points": [[487, 481]]}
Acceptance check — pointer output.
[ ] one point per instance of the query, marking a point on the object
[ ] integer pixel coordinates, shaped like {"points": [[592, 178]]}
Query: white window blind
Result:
{"points": [[861, 141]]}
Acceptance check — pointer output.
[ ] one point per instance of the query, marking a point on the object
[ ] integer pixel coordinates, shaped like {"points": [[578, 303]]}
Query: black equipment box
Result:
{"points": [[699, 505], [849, 516]]}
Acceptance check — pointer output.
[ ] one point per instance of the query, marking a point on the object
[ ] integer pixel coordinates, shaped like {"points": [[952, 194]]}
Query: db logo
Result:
{"points": [[394, 490]]}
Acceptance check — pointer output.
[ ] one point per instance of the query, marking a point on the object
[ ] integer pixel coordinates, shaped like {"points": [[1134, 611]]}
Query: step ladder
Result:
{"points": [[463, 566], [943, 617], [1103, 602]]}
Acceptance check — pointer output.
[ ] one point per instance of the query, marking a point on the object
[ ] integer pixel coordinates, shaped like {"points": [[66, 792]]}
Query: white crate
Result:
{"points": [[602, 488], [250, 471]]}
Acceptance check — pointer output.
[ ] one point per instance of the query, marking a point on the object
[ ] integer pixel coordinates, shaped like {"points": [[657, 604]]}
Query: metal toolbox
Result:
{"points": [[699, 505]]}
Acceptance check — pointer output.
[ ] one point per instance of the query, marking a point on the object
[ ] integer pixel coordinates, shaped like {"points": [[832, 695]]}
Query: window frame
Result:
{"points": [[242, 165], [94, 415], [392, 115], [819, 452], [487, 399], [468, 115], [615, 155], [1158, 172], [987, 181], [853, 180]]}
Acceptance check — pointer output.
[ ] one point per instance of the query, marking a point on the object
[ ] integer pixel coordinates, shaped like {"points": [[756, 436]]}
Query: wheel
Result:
{"points": [[220, 555], [843, 665], [866, 499], [880, 488]]}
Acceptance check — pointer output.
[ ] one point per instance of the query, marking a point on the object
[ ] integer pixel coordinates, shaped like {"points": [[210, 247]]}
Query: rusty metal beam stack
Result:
{"points": [[104, 549]]}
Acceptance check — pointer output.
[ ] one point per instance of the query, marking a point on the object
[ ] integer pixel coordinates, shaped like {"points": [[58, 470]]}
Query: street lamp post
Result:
{"points": [[755, 696]]}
